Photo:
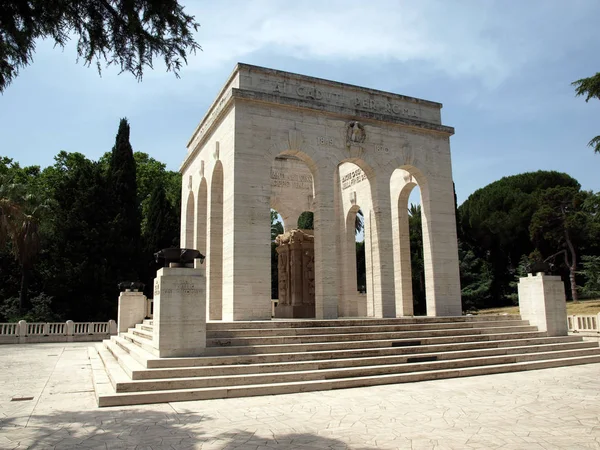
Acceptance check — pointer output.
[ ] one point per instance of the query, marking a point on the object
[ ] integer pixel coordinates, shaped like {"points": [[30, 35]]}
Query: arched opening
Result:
{"points": [[276, 229], [189, 221], [214, 266], [417, 265], [410, 242], [355, 252], [292, 255], [201, 214], [306, 221]]}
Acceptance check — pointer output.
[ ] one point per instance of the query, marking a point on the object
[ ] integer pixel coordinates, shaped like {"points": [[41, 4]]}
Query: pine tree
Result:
{"points": [[161, 224], [126, 220]]}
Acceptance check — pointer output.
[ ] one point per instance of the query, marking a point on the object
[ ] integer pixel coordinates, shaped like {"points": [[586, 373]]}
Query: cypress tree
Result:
{"points": [[126, 220]]}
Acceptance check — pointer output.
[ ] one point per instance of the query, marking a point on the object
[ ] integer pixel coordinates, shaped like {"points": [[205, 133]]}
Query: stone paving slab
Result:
{"points": [[545, 409]]}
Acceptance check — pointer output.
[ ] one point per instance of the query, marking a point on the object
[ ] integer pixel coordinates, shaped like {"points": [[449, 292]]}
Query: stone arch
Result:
{"points": [[201, 216], [189, 221], [355, 185], [214, 264], [402, 182]]}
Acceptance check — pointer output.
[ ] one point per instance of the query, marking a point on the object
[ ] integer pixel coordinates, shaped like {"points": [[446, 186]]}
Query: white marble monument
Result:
{"points": [[179, 320], [542, 302], [294, 143]]}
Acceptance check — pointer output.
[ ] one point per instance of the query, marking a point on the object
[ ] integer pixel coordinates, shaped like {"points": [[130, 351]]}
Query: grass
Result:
{"points": [[582, 307]]}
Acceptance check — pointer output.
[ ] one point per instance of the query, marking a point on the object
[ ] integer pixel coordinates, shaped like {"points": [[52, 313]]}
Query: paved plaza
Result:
{"points": [[548, 409]]}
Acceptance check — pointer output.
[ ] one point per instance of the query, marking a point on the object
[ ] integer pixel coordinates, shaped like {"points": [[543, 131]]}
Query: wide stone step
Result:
{"points": [[347, 345], [118, 399], [239, 333], [310, 323], [316, 364], [150, 361], [422, 363], [323, 338]]}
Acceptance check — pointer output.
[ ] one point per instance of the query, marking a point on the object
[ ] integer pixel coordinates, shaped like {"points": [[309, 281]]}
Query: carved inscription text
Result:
{"points": [[291, 180], [352, 178]]}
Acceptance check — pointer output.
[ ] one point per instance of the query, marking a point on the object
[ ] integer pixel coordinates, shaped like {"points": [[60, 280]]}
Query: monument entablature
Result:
{"points": [[294, 143], [255, 83]]}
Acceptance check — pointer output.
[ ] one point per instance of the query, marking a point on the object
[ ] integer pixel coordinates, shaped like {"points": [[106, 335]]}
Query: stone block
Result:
{"points": [[179, 312], [132, 310], [542, 302]]}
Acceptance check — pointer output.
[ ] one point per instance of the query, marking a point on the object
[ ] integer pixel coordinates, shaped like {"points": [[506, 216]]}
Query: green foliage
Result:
{"points": [[559, 224], [591, 272], [361, 267], [126, 224], [475, 279], [494, 221], [306, 221], [81, 260], [589, 88], [40, 311], [127, 34], [417, 264]]}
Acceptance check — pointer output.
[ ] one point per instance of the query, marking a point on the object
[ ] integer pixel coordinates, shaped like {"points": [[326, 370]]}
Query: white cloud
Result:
{"points": [[487, 41]]}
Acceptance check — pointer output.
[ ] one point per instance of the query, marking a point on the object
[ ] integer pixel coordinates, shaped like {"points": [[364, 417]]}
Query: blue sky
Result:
{"points": [[502, 69]]}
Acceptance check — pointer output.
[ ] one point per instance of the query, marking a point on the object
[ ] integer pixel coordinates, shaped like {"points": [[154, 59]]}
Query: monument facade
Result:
{"points": [[294, 143]]}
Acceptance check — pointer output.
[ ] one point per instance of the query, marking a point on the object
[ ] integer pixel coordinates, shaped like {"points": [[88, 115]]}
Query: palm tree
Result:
{"points": [[20, 218], [10, 210]]}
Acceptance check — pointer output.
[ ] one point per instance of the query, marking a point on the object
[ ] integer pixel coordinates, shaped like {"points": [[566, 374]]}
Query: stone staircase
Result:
{"points": [[278, 357]]}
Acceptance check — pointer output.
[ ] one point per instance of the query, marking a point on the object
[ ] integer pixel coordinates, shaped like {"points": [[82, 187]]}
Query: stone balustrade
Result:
{"points": [[584, 324], [69, 331]]}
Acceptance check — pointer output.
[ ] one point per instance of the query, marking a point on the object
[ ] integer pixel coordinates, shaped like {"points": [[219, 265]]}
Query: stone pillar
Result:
{"points": [[382, 247], [296, 270], [22, 327], [179, 312], [326, 263], [542, 302], [440, 245], [402, 262], [132, 310]]}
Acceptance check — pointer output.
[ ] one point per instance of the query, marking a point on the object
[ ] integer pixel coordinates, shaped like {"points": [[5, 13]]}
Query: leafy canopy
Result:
{"points": [[128, 34], [590, 88]]}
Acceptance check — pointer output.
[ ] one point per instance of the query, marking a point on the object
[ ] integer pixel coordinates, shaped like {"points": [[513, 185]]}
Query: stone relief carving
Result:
{"points": [[296, 271], [355, 133]]}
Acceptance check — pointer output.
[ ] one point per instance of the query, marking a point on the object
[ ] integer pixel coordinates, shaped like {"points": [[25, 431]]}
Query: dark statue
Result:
{"points": [[181, 256], [135, 286], [540, 266]]}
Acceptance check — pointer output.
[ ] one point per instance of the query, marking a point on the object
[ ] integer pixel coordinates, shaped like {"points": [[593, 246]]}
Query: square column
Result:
{"points": [[132, 310], [179, 312], [440, 245], [542, 302]]}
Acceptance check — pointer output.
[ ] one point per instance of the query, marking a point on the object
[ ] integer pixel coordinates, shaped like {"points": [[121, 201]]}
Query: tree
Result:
{"points": [[306, 221], [128, 34], [20, 216], [494, 222], [560, 221], [417, 263], [590, 88], [591, 272], [126, 219]]}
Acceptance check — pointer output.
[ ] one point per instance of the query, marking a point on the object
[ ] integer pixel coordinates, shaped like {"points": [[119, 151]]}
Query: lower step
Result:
{"points": [[136, 398]]}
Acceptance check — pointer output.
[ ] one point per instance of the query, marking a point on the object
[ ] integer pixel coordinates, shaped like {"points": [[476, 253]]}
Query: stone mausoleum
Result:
{"points": [[293, 143]]}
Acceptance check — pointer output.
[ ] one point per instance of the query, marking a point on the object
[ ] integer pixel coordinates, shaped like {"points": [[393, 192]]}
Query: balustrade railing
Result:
{"points": [[69, 331], [584, 324]]}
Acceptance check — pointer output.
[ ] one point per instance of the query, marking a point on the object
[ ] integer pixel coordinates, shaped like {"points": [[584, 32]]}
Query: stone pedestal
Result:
{"points": [[542, 303], [179, 312], [132, 310], [296, 271]]}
